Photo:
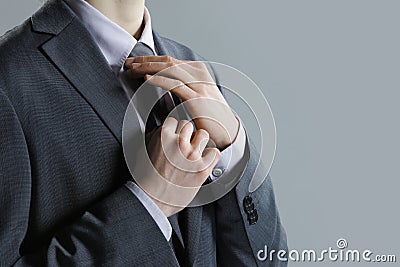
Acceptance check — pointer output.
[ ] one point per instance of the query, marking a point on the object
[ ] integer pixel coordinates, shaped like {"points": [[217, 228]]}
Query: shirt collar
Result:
{"points": [[114, 42]]}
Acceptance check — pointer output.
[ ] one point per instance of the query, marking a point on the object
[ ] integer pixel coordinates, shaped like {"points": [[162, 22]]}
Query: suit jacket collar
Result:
{"points": [[52, 17]]}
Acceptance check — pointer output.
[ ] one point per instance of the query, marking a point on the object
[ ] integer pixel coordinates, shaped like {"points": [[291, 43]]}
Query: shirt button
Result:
{"points": [[217, 172]]}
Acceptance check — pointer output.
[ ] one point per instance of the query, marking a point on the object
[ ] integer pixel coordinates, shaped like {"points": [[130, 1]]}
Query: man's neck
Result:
{"points": [[126, 13]]}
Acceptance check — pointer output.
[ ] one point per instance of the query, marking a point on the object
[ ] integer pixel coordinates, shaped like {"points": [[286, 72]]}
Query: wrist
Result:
{"points": [[230, 135]]}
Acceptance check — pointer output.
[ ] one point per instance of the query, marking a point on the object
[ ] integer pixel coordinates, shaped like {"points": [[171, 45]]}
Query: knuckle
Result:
{"points": [[203, 133], [190, 127], [166, 127], [195, 95], [183, 143], [171, 119], [141, 59], [202, 88], [184, 123], [217, 153], [200, 64]]}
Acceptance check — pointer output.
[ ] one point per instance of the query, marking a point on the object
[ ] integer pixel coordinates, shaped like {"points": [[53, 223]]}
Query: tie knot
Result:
{"points": [[141, 49]]}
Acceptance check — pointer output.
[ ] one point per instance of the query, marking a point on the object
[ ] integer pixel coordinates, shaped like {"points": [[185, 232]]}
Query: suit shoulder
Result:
{"points": [[179, 50], [17, 47], [16, 40]]}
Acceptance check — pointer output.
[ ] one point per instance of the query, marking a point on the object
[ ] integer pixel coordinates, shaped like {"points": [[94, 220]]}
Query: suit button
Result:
{"points": [[252, 217], [217, 172], [247, 201], [249, 208]]}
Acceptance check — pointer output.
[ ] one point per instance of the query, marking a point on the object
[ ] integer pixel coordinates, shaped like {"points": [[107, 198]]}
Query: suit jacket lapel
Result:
{"points": [[73, 51], [190, 217]]}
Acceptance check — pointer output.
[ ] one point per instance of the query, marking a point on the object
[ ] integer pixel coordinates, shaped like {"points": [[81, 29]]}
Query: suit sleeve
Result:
{"points": [[238, 241], [117, 231]]}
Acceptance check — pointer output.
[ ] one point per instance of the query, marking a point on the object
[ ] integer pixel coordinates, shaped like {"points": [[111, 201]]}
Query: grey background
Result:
{"points": [[330, 70]]}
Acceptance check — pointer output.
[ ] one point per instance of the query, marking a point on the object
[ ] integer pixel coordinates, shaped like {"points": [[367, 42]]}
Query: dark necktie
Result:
{"points": [[157, 116], [165, 104]]}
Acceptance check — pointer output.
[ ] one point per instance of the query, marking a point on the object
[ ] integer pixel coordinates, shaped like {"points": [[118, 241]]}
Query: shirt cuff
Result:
{"points": [[155, 212], [231, 156]]}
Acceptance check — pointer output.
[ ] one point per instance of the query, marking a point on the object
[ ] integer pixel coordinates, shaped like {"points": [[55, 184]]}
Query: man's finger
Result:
{"points": [[175, 86], [185, 133], [148, 68], [185, 130], [166, 69], [142, 59], [200, 140], [170, 125]]}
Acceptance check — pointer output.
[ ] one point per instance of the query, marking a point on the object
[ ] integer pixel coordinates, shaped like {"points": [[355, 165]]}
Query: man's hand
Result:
{"points": [[190, 81], [180, 165]]}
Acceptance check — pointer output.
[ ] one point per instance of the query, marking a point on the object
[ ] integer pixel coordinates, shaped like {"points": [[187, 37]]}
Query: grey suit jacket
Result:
{"points": [[62, 171]]}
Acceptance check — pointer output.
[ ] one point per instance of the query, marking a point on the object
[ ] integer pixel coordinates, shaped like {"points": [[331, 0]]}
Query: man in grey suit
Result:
{"points": [[67, 197]]}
